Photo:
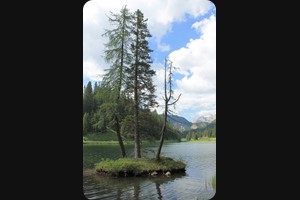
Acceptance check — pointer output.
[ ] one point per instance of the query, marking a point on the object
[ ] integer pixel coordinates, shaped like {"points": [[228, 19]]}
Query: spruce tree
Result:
{"points": [[88, 98], [139, 82]]}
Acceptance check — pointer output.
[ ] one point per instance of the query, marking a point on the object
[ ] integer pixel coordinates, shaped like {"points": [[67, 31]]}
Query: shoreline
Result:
{"points": [[146, 143]]}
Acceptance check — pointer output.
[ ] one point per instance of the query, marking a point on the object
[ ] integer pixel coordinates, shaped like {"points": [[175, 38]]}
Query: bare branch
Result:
{"points": [[175, 101], [171, 112]]}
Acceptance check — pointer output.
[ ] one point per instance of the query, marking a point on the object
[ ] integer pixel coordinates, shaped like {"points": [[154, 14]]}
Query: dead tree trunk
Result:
{"points": [[168, 96]]}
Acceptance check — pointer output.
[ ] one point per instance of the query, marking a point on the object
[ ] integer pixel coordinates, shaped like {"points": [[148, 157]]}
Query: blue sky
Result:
{"points": [[182, 32], [179, 35]]}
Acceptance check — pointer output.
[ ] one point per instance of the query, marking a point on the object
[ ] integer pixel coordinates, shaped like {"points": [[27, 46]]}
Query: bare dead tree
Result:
{"points": [[167, 99]]}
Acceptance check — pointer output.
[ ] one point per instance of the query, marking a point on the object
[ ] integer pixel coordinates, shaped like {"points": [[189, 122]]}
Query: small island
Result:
{"points": [[128, 167]]}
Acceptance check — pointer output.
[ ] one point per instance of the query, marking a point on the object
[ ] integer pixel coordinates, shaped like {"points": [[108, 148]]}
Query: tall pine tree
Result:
{"points": [[140, 75], [117, 53]]}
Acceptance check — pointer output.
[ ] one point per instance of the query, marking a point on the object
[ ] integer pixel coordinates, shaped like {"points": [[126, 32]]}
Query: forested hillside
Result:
{"points": [[98, 111]]}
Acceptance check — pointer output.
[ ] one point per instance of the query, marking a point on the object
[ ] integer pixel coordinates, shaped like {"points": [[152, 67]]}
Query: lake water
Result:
{"points": [[200, 158]]}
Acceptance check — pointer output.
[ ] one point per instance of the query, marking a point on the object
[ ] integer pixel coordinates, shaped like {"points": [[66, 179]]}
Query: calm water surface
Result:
{"points": [[194, 184]]}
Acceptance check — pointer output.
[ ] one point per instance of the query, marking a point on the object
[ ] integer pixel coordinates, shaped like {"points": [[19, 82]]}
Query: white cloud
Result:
{"points": [[201, 25], [158, 80], [163, 47], [92, 71], [160, 14], [197, 62]]}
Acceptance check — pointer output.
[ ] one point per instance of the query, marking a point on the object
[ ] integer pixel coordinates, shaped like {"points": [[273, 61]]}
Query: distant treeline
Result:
{"points": [[98, 111]]}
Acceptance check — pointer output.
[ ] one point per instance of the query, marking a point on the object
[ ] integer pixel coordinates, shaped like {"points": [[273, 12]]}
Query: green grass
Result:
{"points": [[91, 142], [203, 139], [138, 167], [126, 142], [107, 136], [213, 182], [110, 137]]}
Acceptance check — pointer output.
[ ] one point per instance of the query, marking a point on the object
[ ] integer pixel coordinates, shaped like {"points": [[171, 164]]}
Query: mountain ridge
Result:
{"points": [[208, 118], [183, 124], [179, 122]]}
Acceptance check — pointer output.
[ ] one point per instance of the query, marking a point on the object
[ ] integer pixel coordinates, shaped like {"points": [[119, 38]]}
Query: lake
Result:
{"points": [[195, 183]]}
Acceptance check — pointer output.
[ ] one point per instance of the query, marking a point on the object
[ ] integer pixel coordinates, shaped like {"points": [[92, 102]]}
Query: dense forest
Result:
{"points": [[97, 118], [98, 115]]}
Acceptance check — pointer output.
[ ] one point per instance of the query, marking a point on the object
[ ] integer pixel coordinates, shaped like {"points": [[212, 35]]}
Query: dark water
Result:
{"points": [[194, 184]]}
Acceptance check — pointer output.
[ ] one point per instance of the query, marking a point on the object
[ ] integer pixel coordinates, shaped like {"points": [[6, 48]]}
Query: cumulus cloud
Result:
{"points": [[92, 71], [160, 14], [197, 62]]}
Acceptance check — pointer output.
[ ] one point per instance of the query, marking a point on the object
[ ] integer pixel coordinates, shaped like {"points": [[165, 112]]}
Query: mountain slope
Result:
{"points": [[180, 123], [199, 125]]}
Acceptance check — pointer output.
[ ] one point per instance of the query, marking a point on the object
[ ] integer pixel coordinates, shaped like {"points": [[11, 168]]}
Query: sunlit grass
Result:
{"points": [[139, 166], [206, 139]]}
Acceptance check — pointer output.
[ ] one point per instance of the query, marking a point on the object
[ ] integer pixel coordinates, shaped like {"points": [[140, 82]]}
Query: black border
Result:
{"points": [[45, 96]]}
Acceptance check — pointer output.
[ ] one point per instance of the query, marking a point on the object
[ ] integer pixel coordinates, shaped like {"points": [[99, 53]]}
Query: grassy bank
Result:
{"points": [[128, 143], [213, 182], [111, 138], [139, 167], [204, 139]]}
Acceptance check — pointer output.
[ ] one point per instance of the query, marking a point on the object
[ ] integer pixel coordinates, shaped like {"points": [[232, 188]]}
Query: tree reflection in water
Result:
{"points": [[136, 188]]}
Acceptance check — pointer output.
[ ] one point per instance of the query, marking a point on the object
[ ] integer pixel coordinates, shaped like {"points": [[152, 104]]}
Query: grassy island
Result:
{"points": [[126, 167]]}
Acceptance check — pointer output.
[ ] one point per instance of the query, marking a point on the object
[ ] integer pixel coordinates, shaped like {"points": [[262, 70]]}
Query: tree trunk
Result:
{"points": [[136, 121], [118, 96], [119, 137], [162, 136], [137, 148], [165, 117]]}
